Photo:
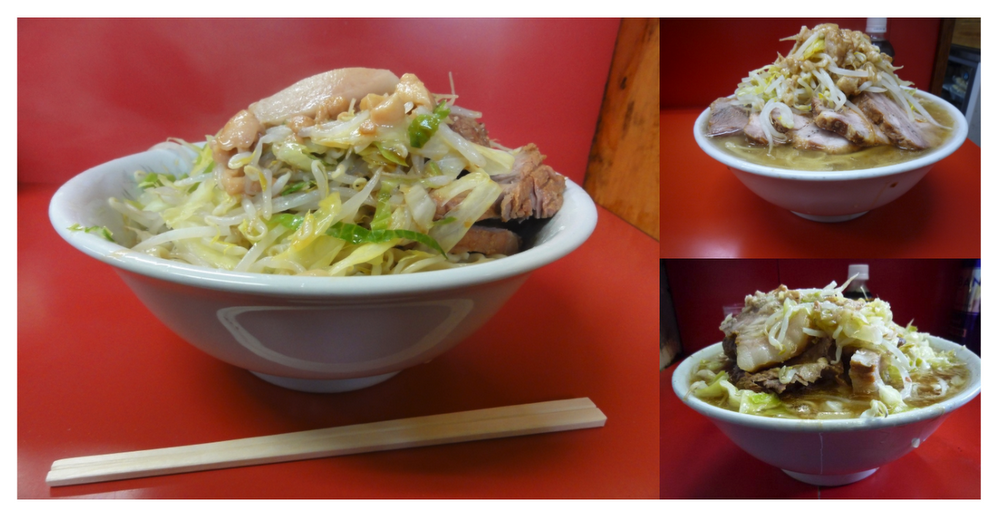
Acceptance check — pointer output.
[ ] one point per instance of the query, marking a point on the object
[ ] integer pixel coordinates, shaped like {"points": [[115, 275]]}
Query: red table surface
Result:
{"points": [[98, 373], [708, 213], [695, 457]]}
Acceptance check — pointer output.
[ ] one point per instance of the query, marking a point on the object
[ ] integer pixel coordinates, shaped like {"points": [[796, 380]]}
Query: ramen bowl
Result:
{"points": [[308, 333], [834, 196], [829, 452]]}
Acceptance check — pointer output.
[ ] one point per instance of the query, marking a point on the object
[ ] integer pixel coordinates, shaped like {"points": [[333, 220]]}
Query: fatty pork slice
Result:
{"points": [[804, 134], [895, 122], [849, 124], [865, 372], [488, 241], [728, 117], [814, 138], [307, 96], [753, 348]]}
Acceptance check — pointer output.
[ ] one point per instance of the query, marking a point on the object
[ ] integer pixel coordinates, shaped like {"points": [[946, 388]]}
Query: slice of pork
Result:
{"points": [[728, 117], [804, 134], [325, 94], [471, 129], [754, 131], [894, 122], [307, 96], [802, 374], [814, 138], [849, 124], [488, 241], [865, 372], [753, 348], [530, 190]]}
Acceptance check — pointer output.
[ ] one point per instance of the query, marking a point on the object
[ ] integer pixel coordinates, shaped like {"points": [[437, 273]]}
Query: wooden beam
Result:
{"points": [[941, 56], [623, 174]]}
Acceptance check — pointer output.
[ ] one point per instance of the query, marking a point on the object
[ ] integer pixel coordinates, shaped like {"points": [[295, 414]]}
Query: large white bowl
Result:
{"points": [[833, 196], [828, 452], [308, 333]]}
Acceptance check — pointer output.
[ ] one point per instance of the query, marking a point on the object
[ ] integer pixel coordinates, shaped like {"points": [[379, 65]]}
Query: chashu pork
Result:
{"points": [[753, 349], [850, 124], [804, 134]]}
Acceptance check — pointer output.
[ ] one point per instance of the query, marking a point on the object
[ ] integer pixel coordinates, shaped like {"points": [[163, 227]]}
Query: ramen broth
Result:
{"points": [[834, 400], [788, 157]]}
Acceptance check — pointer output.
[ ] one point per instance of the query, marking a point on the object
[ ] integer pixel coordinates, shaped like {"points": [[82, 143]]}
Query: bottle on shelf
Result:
{"points": [[877, 31], [964, 327], [858, 288]]}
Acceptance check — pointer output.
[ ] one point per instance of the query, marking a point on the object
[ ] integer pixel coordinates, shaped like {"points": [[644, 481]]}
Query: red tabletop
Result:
{"points": [[98, 373], [695, 457], [707, 212]]}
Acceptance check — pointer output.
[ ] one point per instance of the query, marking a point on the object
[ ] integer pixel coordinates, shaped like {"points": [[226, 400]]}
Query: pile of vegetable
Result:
{"points": [[377, 185]]}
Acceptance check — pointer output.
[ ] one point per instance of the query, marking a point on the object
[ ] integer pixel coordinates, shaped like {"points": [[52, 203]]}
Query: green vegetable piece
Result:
{"points": [[358, 235], [423, 127], [383, 211], [432, 169], [155, 180], [293, 153], [287, 220], [390, 155], [291, 189], [102, 231]]}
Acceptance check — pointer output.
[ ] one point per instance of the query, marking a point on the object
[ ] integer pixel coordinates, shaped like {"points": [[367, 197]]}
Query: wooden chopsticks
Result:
{"points": [[465, 426]]}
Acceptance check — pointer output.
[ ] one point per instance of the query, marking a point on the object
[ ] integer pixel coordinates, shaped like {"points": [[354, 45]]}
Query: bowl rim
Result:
{"points": [[571, 233], [681, 376], [956, 139]]}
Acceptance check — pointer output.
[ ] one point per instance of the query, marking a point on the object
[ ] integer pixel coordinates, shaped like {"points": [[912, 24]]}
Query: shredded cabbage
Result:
{"points": [[353, 195], [744, 401]]}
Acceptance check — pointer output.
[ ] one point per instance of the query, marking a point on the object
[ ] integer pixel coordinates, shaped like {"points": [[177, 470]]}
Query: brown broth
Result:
{"points": [[811, 404]]}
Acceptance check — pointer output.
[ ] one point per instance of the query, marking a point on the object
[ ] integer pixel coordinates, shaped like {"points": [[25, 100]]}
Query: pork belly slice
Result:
{"points": [[754, 131], [308, 96], [753, 348], [849, 124], [865, 372], [804, 134], [488, 241], [814, 138], [894, 122], [728, 117]]}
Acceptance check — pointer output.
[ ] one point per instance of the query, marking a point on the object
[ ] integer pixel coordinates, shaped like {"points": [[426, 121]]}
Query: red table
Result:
{"points": [[695, 458], [708, 213], [97, 373]]}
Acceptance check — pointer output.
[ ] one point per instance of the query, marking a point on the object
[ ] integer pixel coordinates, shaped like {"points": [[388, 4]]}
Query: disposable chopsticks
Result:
{"points": [[465, 426]]}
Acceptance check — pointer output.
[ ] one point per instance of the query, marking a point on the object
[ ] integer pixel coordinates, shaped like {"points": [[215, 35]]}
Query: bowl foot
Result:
{"points": [[324, 385], [830, 218], [831, 480]]}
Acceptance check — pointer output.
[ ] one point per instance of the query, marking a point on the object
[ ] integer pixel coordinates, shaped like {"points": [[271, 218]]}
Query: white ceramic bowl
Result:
{"points": [[833, 196], [309, 333], [828, 452]]}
